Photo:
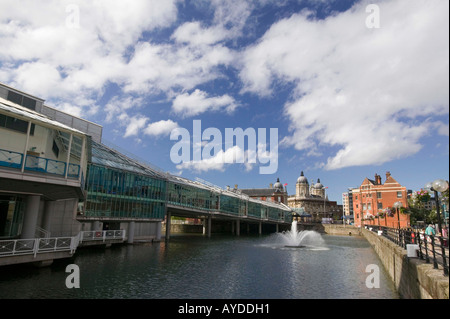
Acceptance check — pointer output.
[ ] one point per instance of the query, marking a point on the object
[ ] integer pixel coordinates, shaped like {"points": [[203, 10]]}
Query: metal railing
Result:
{"points": [[431, 248], [41, 233], [102, 235], [38, 164], [35, 246]]}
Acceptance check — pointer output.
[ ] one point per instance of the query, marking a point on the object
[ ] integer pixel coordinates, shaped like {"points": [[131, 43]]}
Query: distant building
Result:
{"points": [[313, 199], [275, 193], [373, 202]]}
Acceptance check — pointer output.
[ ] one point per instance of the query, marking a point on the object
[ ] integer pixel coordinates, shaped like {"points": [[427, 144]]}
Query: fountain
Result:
{"points": [[302, 239]]}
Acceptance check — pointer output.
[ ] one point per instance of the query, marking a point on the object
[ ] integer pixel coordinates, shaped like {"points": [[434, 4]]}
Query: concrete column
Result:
{"points": [[96, 225], [204, 226], [158, 231], [276, 228], [48, 213], [209, 227], [168, 218], [31, 216], [260, 228], [131, 227], [238, 227]]}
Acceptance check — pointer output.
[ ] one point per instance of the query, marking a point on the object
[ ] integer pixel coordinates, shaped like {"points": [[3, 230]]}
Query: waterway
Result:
{"points": [[220, 267]]}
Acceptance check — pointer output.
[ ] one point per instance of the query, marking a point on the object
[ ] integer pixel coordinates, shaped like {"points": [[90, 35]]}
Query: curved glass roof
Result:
{"points": [[103, 155]]}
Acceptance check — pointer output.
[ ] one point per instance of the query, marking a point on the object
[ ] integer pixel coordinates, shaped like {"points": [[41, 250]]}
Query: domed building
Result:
{"points": [[312, 198], [276, 193]]}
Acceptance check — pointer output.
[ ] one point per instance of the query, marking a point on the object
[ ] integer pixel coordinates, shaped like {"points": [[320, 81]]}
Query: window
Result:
{"points": [[380, 205], [55, 149], [21, 100], [378, 194], [15, 124], [399, 194]]}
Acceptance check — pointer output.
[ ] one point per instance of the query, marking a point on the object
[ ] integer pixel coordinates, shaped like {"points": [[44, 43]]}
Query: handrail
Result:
{"points": [[38, 164], [102, 235], [35, 246], [435, 248], [40, 230]]}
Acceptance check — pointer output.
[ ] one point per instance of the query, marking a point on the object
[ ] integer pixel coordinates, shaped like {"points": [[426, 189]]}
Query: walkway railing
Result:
{"points": [[433, 249], [38, 164], [35, 246], [102, 235]]}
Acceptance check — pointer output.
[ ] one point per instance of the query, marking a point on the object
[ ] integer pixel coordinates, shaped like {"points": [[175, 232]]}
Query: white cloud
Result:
{"points": [[166, 67], [218, 162], [193, 33], [48, 57], [364, 91], [198, 102], [135, 124], [163, 127]]}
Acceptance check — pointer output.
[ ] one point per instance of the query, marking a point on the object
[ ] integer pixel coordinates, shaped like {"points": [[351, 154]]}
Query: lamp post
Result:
{"points": [[324, 198], [397, 206], [438, 185]]}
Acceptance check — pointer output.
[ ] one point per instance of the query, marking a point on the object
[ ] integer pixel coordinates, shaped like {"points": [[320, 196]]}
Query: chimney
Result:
{"points": [[271, 185], [235, 186], [388, 174], [377, 179]]}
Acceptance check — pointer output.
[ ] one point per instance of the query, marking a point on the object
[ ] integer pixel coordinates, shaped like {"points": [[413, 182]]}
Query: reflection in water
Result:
{"points": [[219, 267]]}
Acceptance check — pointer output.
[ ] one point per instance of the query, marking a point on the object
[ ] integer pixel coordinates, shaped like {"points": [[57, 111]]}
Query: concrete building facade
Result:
{"points": [[43, 166], [313, 199]]}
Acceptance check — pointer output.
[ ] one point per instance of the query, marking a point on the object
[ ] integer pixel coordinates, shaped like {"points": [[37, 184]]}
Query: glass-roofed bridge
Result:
{"points": [[120, 189]]}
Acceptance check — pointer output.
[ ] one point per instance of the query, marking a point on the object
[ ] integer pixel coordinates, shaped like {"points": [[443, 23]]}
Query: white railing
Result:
{"points": [[41, 233], [102, 235], [35, 246]]}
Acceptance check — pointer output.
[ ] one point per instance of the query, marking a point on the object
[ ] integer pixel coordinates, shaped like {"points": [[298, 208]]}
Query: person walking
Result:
{"points": [[429, 235], [430, 231]]}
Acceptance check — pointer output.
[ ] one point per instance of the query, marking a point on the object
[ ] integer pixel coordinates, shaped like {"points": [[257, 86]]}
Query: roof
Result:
{"points": [[252, 192], [15, 110], [105, 156]]}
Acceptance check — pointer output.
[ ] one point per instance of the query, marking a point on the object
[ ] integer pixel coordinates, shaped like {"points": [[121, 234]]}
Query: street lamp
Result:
{"points": [[438, 185], [397, 206], [324, 197]]}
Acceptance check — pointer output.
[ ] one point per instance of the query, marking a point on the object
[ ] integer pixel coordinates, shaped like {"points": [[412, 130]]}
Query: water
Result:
{"points": [[219, 267]]}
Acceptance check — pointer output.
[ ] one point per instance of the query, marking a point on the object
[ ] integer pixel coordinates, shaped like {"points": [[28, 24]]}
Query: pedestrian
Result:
{"points": [[422, 232], [430, 231], [445, 236]]}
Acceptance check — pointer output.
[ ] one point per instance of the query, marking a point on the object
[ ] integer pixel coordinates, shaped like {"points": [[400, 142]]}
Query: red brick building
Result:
{"points": [[373, 202], [276, 193]]}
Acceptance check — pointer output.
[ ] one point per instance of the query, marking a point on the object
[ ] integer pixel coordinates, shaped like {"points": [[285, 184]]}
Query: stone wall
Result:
{"points": [[413, 278]]}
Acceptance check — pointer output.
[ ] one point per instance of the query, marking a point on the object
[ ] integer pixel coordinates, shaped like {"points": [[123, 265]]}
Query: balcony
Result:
{"points": [[38, 164]]}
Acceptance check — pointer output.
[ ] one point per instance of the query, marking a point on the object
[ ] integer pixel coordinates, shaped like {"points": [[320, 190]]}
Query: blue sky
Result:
{"points": [[349, 98]]}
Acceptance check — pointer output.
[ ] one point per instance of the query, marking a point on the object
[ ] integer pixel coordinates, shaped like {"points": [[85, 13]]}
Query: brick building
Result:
{"points": [[373, 202], [275, 193]]}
